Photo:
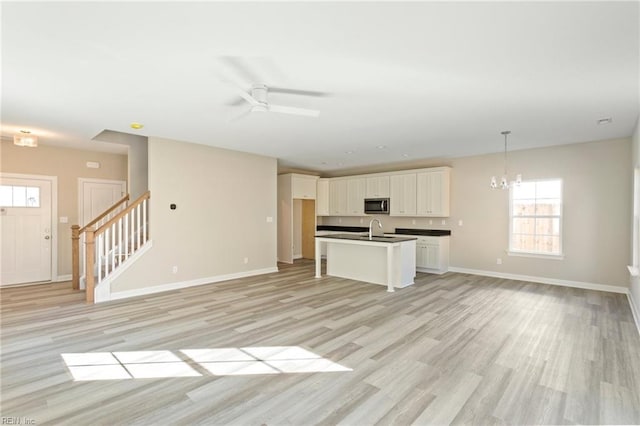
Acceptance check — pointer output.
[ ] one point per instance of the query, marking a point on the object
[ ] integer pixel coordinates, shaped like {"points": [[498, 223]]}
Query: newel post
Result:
{"points": [[90, 252], [75, 257]]}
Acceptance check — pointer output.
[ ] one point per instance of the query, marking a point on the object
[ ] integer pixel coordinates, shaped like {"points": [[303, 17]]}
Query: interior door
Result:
{"points": [[25, 221], [97, 196]]}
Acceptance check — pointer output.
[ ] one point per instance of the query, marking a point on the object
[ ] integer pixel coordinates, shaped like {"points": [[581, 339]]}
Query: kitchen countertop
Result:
{"points": [[342, 228], [424, 232], [378, 239]]}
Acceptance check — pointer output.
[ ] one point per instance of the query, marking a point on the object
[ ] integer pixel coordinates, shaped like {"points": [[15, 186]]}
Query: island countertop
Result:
{"points": [[378, 239]]}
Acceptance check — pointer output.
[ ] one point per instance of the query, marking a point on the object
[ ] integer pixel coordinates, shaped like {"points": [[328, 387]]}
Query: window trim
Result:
{"points": [[536, 254]]}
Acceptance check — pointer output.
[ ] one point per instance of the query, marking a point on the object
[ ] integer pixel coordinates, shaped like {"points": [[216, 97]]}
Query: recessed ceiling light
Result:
{"points": [[605, 120], [348, 152], [405, 155], [136, 126], [381, 146]]}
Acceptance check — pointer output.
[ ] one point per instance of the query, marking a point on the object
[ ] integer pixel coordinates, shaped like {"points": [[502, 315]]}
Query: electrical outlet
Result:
{"points": [[430, 221], [361, 220], [444, 222], [460, 222], [246, 260], [499, 261], [413, 221], [339, 220], [174, 269], [269, 219]]}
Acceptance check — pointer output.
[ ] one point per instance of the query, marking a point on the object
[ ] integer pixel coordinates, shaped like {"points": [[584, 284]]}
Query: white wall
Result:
{"points": [[596, 212], [634, 291], [223, 200]]}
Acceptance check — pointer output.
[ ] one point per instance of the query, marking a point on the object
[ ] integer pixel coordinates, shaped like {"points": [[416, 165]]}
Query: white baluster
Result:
{"points": [[125, 219], [138, 226], [99, 256], [144, 221], [113, 247]]}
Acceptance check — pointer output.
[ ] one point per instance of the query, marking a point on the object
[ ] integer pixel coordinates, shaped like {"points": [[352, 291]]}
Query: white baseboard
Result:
{"points": [[635, 310], [543, 280], [297, 256], [61, 278], [191, 283]]}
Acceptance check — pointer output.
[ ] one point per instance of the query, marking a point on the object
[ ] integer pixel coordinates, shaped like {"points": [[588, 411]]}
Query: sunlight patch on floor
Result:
{"points": [[196, 363]]}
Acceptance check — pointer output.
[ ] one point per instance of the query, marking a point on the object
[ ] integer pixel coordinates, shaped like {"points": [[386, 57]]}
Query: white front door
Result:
{"points": [[25, 221], [97, 195]]}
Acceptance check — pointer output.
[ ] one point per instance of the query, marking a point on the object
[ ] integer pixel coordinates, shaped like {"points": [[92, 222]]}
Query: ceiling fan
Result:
{"points": [[257, 96]]}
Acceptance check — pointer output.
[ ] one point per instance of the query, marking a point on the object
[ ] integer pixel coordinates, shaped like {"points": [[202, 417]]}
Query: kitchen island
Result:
{"points": [[386, 260]]}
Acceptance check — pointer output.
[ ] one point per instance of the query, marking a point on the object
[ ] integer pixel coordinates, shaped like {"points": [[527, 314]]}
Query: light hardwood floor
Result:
{"points": [[452, 349]]}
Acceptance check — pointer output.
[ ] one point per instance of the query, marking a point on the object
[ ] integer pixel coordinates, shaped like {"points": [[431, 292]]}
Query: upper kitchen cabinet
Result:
{"points": [[338, 197], [356, 189], [303, 186], [377, 187], [433, 192], [322, 198], [403, 194]]}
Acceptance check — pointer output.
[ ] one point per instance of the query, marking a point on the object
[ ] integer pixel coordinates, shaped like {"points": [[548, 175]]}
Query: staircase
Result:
{"points": [[110, 241]]}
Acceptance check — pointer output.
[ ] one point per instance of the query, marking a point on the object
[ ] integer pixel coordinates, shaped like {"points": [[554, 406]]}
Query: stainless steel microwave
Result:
{"points": [[376, 205]]}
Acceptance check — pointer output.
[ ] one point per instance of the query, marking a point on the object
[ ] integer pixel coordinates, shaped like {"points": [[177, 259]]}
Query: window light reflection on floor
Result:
{"points": [[217, 362]]}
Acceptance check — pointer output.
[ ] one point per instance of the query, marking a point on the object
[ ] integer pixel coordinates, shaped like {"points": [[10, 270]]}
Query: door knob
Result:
{"points": [[46, 237]]}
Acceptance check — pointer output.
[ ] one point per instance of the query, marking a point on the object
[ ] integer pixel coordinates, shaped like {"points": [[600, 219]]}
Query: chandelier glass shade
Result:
{"points": [[504, 181]]}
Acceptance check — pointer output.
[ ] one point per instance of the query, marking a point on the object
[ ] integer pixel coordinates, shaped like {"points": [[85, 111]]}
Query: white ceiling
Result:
{"points": [[422, 79]]}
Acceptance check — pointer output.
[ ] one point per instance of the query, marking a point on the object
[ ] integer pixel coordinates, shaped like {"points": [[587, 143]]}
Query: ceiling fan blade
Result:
{"points": [[293, 110], [240, 116], [240, 91], [240, 67], [235, 102], [298, 92]]}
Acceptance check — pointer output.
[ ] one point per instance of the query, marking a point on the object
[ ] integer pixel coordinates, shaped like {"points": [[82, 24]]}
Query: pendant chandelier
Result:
{"points": [[504, 182]]}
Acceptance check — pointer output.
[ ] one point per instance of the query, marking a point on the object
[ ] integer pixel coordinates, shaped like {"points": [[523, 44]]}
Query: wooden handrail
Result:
{"points": [[105, 213], [124, 212]]}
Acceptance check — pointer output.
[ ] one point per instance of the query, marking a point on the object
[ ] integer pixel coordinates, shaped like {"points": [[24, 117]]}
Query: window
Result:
{"points": [[19, 196], [536, 218]]}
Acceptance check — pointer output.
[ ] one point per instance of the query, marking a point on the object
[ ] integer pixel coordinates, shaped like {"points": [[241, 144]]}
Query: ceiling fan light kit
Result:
{"points": [[257, 97]]}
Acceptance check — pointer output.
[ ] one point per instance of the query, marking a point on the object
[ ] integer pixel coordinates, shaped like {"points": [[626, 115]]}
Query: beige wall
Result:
{"points": [[223, 200], [596, 223], [68, 165], [138, 158]]}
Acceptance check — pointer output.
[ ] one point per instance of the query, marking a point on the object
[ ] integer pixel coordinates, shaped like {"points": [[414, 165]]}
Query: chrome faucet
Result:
{"points": [[371, 226]]}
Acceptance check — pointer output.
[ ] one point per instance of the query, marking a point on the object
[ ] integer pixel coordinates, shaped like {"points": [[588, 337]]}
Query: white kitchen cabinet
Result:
{"points": [[433, 192], [403, 195], [303, 187], [356, 189], [432, 254], [338, 197], [322, 198], [377, 187]]}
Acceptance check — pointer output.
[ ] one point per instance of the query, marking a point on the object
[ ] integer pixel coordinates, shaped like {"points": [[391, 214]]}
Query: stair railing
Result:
{"points": [[110, 245], [77, 231]]}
